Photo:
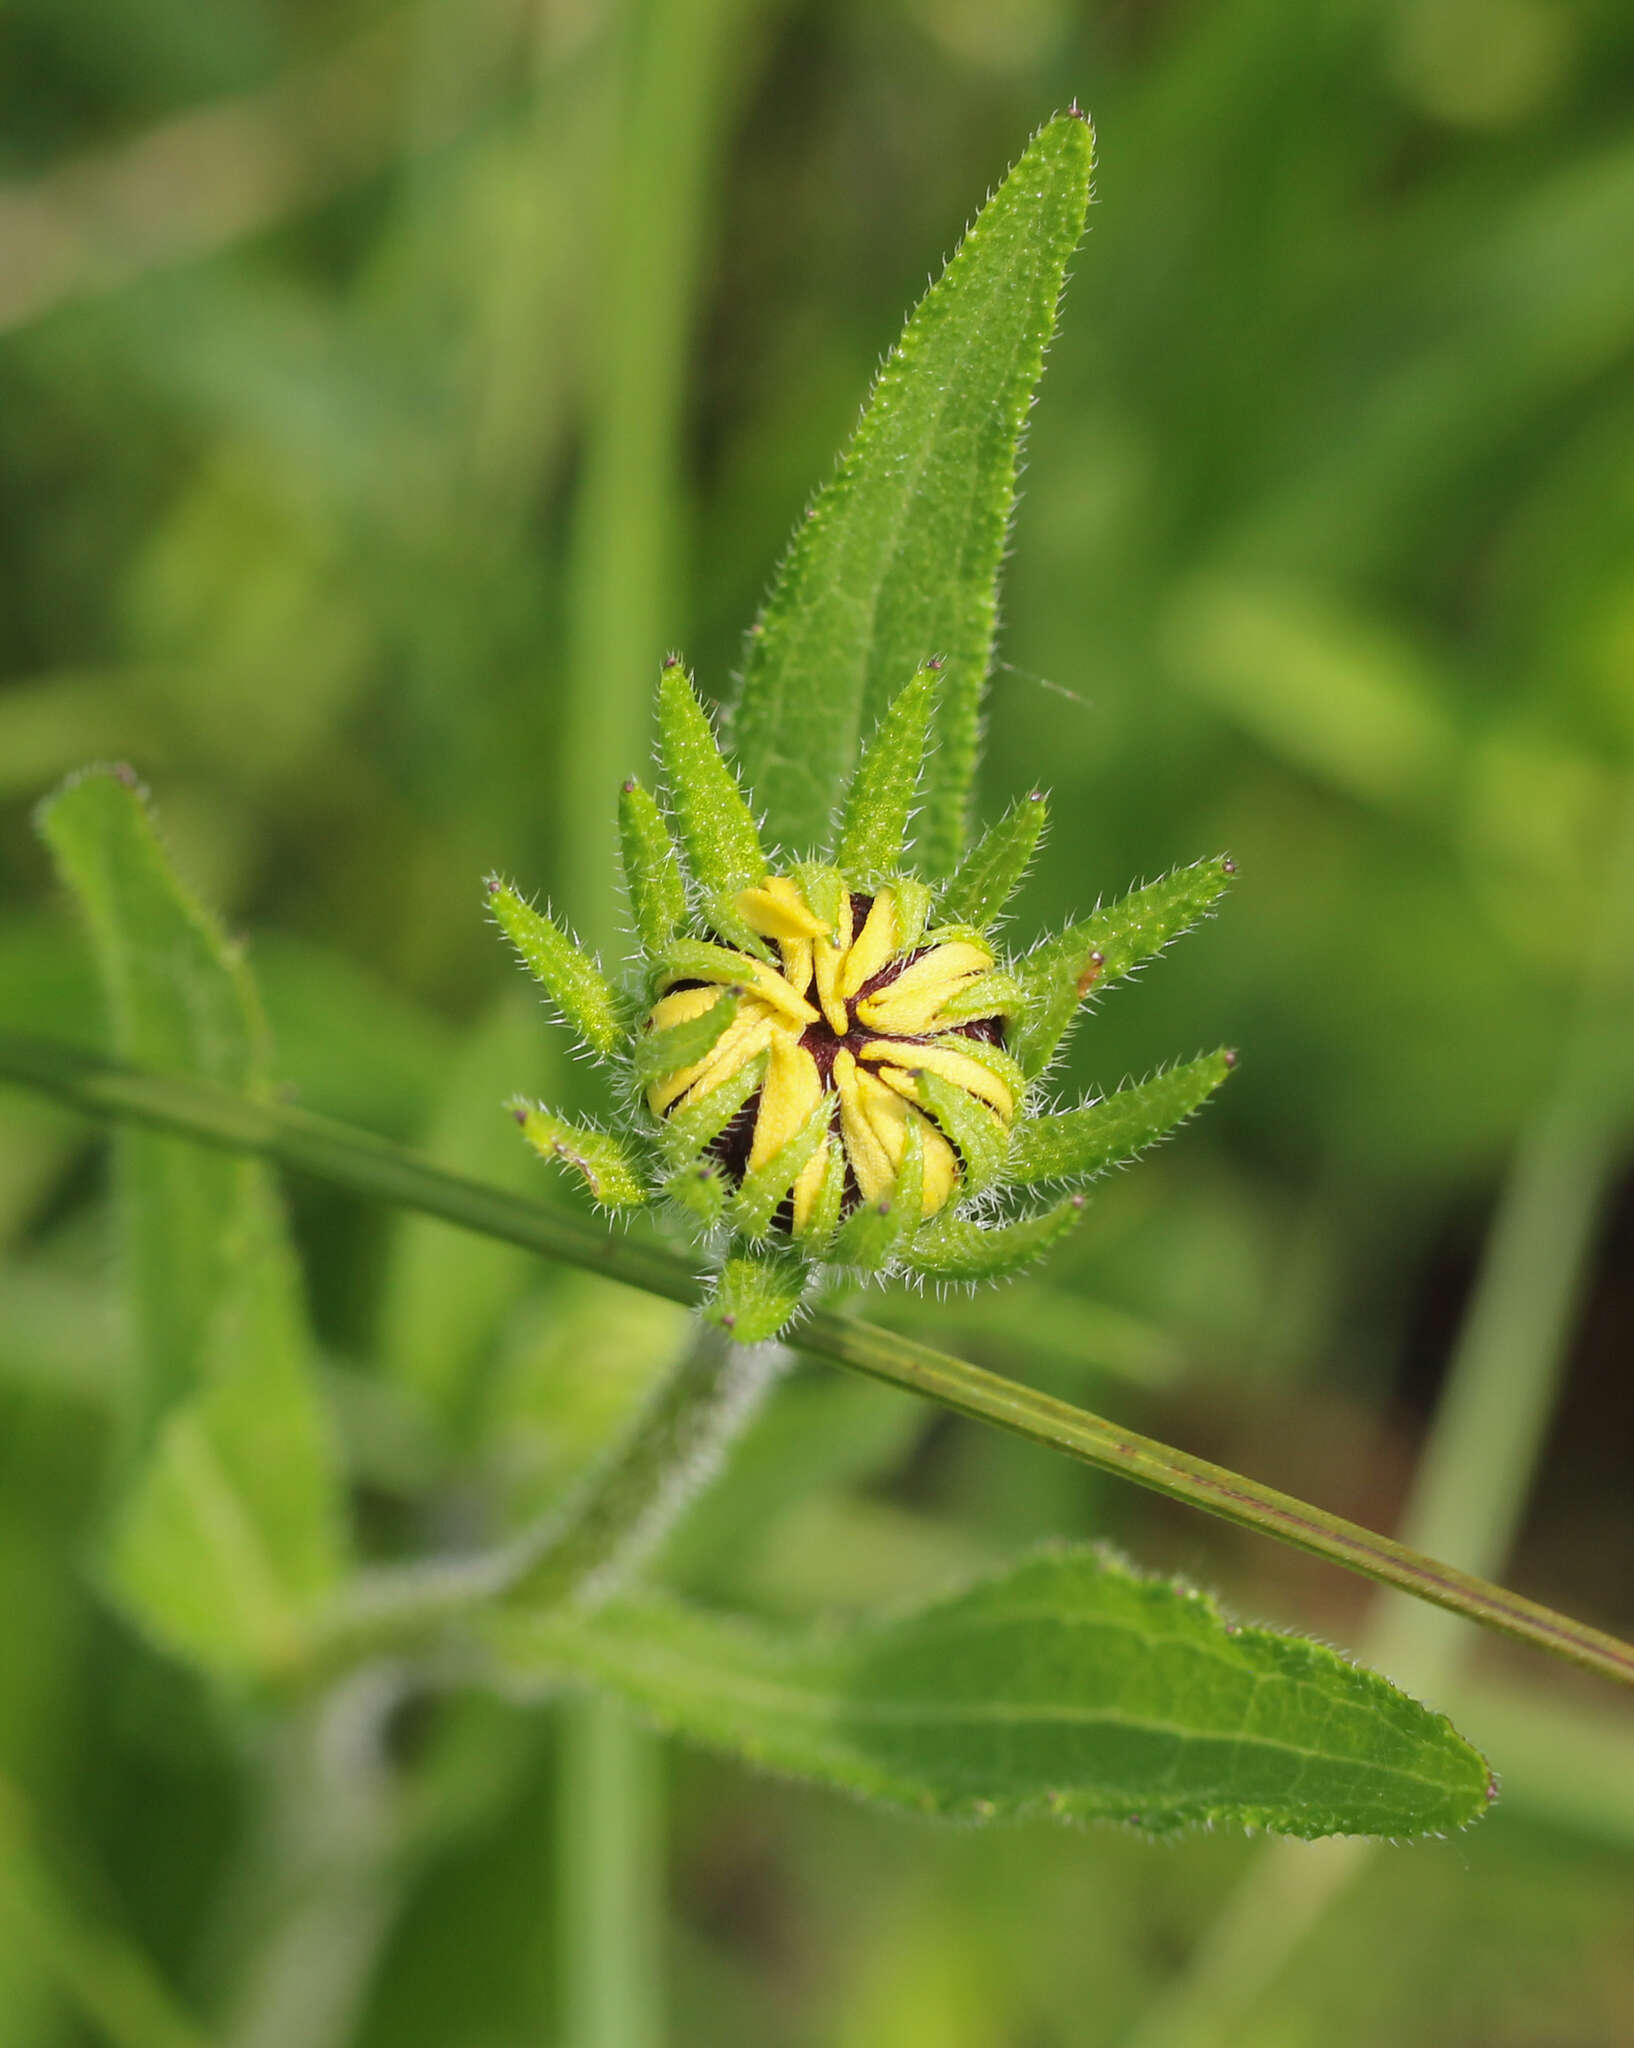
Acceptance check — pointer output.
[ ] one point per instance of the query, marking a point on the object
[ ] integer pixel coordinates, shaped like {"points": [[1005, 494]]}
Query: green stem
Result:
{"points": [[374, 1167], [630, 1504]]}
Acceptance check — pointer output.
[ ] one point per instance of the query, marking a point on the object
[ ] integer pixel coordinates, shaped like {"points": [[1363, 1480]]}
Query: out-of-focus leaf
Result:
{"points": [[231, 1536], [181, 1001], [229, 1532], [61, 1335], [1065, 1686], [898, 558]]}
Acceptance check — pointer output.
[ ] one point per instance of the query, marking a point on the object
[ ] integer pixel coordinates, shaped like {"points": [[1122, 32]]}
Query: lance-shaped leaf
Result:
{"points": [[582, 995], [954, 1248], [1062, 972], [1076, 1143], [604, 1163], [899, 555], [1066, 1686], [991, 872], [228, 1533], [717, 827], [880, 800], [673, 1047], [756, 1294], [652, 869]]}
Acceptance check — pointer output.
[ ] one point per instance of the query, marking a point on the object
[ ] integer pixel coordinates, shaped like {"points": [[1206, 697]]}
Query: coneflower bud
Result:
{"points": [[829, 1066]]}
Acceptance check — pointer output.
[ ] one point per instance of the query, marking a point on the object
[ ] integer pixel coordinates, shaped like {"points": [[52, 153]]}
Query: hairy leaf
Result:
{"points": [[954, 1248], [991, 871], [717, 827], [582, 995], [756, 1294], [879, 802], [674, 1046], [1079, 1142], [602, 1161], [1064, 971], [898, 558], [1065, 1686], [652, 870]]}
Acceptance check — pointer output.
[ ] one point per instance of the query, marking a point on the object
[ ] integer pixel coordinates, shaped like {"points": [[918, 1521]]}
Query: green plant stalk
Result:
{"points": [[629, 1505], [1475, 1476], [376, 1168]]}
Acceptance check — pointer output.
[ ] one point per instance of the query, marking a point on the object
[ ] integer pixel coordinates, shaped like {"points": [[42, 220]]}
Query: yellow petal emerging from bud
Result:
{"points": [[825, 1039]]}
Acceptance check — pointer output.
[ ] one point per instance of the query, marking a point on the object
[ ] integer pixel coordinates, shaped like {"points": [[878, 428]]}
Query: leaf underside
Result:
{"points": [[898, 559], [1066, 1686]]}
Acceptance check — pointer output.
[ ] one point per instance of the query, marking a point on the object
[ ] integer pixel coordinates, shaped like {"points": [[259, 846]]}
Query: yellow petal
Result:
{"points": [[913, 1002], [683, 1004], [873, 945], [941, 1168], [828, 959], [777, 910], [737, 969], [870, 1162], [750, 1031], [808, 1187], [790, 1095], [945, 1059], [796, 963]]}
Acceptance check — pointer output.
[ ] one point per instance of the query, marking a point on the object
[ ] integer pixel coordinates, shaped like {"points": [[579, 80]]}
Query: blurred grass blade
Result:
{"points": [[231, 1529], [1065, 1686], [898, 558]]}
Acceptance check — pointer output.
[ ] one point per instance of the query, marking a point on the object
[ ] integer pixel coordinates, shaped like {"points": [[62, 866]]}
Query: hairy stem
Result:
{"points": [[629, 1505], [373, 1166]]}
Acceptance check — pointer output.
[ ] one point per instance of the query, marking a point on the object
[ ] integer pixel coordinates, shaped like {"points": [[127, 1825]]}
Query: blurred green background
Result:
{"points": [[350, 354]]}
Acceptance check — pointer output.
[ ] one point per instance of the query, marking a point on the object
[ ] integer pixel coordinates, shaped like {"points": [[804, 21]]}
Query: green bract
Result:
{"points": [[830, 1067]]}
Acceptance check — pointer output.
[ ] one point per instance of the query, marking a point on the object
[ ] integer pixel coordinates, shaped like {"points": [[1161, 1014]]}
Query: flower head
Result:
{"points": [[831, 1066]]}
